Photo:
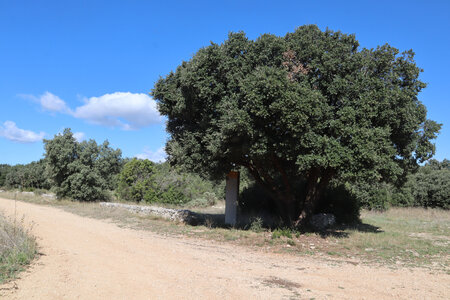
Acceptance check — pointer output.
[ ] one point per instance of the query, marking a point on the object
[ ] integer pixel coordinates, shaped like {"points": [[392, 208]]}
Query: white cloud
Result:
{"points": [[156, 156], [49, 102], [10, 131], [53, 103], [124, 110], [79, 136]]}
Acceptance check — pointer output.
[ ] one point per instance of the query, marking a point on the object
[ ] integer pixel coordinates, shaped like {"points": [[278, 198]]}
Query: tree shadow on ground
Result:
{"points": [[271, 223], [344, 230]]}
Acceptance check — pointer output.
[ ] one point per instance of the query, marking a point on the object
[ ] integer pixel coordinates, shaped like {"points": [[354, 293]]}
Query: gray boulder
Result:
{"points": [[322, 221]]}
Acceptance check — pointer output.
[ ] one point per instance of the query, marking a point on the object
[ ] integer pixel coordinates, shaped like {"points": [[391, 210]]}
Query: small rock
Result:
{"points": [[52, 196]]}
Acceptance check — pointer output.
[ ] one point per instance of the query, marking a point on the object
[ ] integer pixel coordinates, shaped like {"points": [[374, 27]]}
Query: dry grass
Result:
{"points": [[412, 237], [17, 248]]}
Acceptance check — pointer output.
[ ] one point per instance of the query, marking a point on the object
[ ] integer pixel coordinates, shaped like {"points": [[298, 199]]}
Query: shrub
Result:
{"points": [[339, 201], [254, 200], [286, 232], [256, 224], [136, 181], [143, 180]]}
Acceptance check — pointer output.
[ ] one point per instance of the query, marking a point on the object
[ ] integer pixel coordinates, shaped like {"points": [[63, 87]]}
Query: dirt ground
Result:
{"points": [[83, 258]]}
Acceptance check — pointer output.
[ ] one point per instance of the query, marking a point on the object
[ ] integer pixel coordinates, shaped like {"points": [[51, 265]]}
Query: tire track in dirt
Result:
{"points": [[85, 258]]}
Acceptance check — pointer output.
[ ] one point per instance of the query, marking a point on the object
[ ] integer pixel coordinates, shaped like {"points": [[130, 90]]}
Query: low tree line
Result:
{"points": [[87, 171], [428, 187], [29, 176]]}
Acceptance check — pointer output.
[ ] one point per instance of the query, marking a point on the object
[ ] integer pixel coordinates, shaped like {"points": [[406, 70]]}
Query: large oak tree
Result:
{"points": [[304, 108]]}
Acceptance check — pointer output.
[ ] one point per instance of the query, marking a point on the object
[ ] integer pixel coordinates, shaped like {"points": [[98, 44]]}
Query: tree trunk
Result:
{"points": [[286, 205], [316, 183], [311, 198], [284, 195]]}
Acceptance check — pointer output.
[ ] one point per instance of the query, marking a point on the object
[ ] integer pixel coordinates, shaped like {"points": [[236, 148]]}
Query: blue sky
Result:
{"points": [[89, 65]]}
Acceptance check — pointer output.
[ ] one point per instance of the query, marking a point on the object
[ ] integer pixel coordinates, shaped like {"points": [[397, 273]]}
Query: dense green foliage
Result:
{"points": [[4, 169], [136, 181], [340, 200], [429, 187], [143, 180], [196, 191], [29, 176], [303, 109], [82, 171]]}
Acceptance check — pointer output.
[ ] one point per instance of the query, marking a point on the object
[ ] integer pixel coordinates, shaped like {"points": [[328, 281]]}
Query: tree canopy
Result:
{"points": [[429, 187], [31, 175], [301, 109], [82, 171]]}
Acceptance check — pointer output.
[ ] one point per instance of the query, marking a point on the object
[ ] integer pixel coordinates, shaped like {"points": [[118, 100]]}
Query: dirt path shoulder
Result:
{"points": [[85, 258]]}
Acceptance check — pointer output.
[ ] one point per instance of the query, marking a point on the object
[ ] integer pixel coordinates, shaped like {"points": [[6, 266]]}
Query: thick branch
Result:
{"points": [[255, 173]]}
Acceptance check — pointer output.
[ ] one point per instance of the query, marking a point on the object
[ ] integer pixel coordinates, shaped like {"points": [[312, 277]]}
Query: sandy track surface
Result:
{"points": [[84, 258]]}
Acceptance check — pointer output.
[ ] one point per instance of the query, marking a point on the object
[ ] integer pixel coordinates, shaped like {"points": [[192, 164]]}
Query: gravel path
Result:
{"points": [[85, 258]]}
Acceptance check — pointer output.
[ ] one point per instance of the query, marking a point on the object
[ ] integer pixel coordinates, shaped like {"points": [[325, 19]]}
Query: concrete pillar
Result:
{"points": [[231, 197]]}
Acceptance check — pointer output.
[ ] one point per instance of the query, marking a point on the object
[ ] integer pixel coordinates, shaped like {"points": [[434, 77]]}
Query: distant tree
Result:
{"points": [[302, 109], [429, 187], [4, 169], [83, 171], [29, 176]]}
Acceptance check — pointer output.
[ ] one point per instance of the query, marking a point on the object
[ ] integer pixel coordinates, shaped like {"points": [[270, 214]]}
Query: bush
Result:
{"points": [[136, 181], [143, 180], [375, 196], [186, 188], [254, 200], [256, 224], [339, 201]]}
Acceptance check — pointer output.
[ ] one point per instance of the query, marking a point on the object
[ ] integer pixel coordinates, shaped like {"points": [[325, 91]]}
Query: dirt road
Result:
{"points": [[85, 258]]}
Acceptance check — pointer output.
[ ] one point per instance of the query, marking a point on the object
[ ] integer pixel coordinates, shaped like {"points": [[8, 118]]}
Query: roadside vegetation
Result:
{"points": [[398, 237], [17, 247], [306, 136]]}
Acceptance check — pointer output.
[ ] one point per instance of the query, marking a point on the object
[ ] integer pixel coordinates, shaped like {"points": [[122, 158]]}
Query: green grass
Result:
{"points": [[405, 236], [278, 233], [17, 248]]}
